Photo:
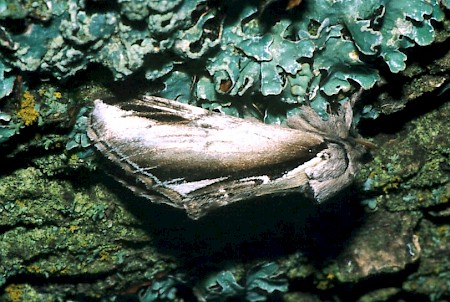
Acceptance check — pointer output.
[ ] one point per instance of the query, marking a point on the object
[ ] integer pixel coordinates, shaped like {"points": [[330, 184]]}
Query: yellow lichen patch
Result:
{"points": [[104, 256], [33, 268], [442, 230], [330, 276], [392, 185], [14, 292], [326, 281], [20, 203], [58, 269], [27, 113], [57, 94], [372, 174], [73, 228], [323, 285]]}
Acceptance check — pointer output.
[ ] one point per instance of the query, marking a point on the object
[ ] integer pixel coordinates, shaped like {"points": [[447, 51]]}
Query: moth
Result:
{"points": [[198, 160]]}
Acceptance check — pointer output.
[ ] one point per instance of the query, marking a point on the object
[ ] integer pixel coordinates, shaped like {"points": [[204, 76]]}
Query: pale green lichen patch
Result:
{"points": [[330, 45]]}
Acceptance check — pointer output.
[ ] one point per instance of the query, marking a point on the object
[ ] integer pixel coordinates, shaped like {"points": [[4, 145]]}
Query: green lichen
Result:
{"points": [[313, 53], [6, 82], [260, 281], [78, 137], [8, 127], [53, 230], [412, 174], [258, 284], [43, 107], [432, 277], [160, 290]]}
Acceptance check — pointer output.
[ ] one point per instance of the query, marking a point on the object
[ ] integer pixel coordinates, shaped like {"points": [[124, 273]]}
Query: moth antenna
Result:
{"points": [[366, 143]]}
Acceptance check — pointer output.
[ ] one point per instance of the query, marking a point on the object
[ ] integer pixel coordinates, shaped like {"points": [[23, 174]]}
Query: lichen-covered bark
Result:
{"points": [[69, 236], [70, 231]]}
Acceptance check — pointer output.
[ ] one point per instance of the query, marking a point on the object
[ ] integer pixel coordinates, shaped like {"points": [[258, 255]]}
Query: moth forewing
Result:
{"points": [[195, 159], [204, 146]]}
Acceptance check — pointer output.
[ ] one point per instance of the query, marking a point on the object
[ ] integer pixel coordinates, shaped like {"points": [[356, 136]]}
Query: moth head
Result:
{"points": [[339, 126], [338, 164]]}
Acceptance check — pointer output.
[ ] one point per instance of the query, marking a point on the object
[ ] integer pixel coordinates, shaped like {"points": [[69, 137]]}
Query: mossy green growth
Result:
{"points": [[432, 276], [55, 228], [410, 171]]}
